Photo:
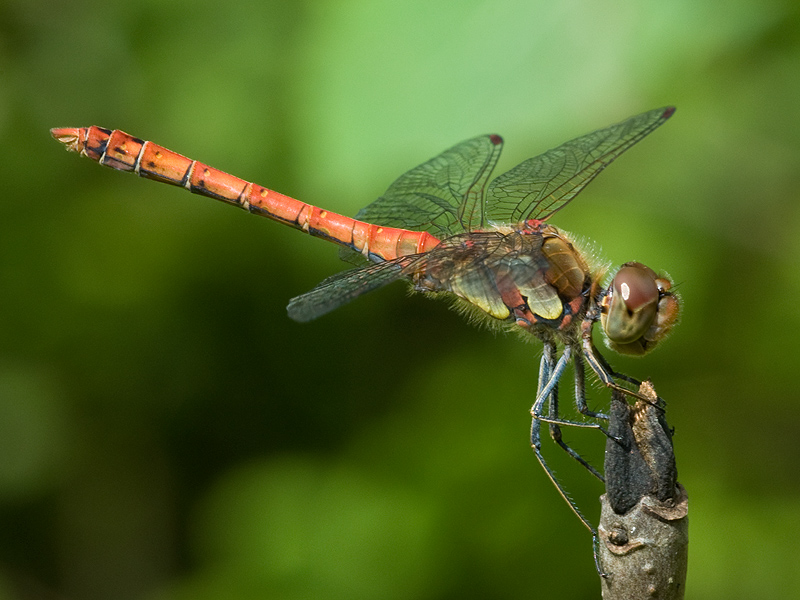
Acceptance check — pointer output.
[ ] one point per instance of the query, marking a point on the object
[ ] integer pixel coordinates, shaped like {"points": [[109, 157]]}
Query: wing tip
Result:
{"points": [[298, 314]]}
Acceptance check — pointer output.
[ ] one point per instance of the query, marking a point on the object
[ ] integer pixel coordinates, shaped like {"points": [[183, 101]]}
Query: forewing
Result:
{"points": [[442, 196], [343, 287], [539, 186]]}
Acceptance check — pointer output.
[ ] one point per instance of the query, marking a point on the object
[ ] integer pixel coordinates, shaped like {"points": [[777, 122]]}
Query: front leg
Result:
{"points": [[599, 364]]}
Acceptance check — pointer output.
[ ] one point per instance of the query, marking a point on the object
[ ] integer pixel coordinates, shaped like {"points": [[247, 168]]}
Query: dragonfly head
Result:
{"points": [[638, 310]]}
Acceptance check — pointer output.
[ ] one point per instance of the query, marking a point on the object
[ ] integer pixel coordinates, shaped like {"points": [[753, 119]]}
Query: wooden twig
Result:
{"points": [[643, 532]]}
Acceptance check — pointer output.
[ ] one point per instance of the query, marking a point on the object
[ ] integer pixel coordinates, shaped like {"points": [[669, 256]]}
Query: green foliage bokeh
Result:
{"points": [[166, 432]]}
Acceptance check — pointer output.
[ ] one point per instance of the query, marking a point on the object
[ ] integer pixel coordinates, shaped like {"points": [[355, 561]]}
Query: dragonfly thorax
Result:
{"points": [[569, 277], [533, 277]]}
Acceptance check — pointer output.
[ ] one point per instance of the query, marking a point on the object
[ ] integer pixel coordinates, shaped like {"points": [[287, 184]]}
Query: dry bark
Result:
{"points": [[643, 534]]}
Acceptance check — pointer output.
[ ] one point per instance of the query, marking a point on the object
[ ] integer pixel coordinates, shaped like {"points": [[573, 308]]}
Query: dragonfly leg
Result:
{"points": [[546, 388], [547, 391], [580, 391], [555, 433], [548, 380], [580, 401], [606, 374], [537, 449], [609, 369], [659, 403], [600, 365], [545, 369], [545, 366]]}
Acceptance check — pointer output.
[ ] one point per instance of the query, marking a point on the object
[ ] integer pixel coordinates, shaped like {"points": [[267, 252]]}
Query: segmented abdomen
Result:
{"points": [[121, 151]]}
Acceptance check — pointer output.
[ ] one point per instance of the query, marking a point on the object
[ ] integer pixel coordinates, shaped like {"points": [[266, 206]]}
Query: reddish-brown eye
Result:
{"points": [[636, 286], [639, 309]]}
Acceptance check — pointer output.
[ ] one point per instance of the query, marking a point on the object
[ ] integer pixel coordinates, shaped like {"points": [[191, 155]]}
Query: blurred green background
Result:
{"points": [[167, 433]]}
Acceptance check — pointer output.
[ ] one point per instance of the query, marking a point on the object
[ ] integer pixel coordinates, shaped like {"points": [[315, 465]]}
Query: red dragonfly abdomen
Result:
{"points": [[121, 151]]}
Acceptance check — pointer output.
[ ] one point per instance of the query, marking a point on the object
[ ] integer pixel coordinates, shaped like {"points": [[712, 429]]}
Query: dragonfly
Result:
{"points": [[488, 245]]}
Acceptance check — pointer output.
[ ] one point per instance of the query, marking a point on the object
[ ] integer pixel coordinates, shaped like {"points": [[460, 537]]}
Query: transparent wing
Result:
{"points": [[539, 186], [442, 196], [483, 267], [339, 289]]}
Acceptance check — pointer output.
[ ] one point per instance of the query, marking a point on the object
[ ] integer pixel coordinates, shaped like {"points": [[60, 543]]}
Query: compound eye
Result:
{"points": [[633, 305], [637, 285]]}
